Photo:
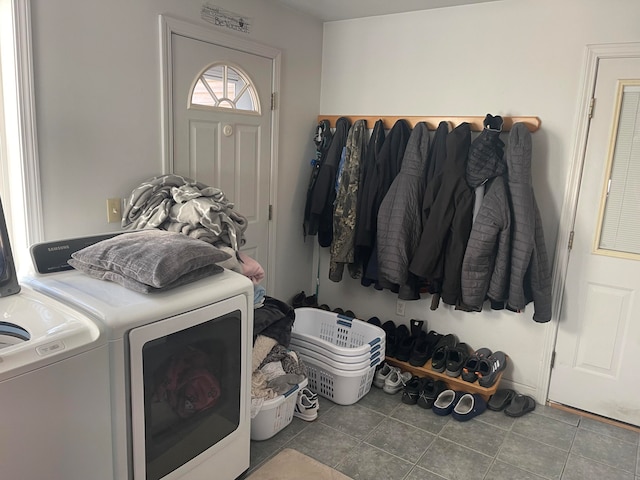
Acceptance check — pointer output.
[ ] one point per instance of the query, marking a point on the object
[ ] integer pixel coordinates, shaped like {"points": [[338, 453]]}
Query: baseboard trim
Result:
{"points": [[593, 416]]}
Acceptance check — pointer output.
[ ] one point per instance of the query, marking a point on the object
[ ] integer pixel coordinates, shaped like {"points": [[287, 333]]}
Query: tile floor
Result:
{"points": [[381, 438]]}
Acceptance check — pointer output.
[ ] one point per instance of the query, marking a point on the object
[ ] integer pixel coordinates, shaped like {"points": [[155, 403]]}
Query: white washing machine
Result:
{"points": [[207, 323], [54, 392]]}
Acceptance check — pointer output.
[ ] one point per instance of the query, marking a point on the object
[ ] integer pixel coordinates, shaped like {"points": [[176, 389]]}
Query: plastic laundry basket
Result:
{"points": [[275, 414]]}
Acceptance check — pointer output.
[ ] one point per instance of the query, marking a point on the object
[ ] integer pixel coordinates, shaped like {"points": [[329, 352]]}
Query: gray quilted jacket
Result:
{"points": [[530, 278], [400, 216]]}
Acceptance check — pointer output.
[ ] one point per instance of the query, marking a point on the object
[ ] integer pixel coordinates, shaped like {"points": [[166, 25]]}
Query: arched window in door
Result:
{"points": [[223, 86]]}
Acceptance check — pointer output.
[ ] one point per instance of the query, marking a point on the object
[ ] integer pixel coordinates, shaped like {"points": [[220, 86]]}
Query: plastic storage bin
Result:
{"points": [[336, 333], [275, 414]]}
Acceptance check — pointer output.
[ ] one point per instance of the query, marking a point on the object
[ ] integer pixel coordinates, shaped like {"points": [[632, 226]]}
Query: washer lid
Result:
{"points": [[36, 331], [119, 309]]}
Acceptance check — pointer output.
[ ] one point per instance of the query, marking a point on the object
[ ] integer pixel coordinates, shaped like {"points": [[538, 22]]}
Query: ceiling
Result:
{"points": [[331, 10]]}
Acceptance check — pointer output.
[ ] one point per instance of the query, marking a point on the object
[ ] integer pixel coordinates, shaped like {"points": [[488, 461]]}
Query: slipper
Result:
{"points": [[520, 405], [470, 405], [501, 399]]}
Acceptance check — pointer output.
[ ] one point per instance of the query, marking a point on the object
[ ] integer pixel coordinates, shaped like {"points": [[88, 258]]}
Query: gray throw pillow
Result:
{"points": [[152, 257]]}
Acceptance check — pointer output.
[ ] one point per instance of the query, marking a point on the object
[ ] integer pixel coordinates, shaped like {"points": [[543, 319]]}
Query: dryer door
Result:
{"points": [[189, 385]]}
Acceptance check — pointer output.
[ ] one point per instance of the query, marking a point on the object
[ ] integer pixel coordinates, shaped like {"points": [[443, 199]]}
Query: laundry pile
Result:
{"points": [[448, 216]]}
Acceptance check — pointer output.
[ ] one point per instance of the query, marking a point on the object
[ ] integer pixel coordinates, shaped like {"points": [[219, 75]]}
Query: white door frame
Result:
{"points": [[593, 55], [170, 25]]}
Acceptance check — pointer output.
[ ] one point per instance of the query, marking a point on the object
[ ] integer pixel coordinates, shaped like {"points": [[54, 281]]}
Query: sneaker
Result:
{"points": [[396, 381], [429, 392], [456, 359], [439, 358], [489, 369], [306, 409], [308, 393], [382, 374], [470, 369]]}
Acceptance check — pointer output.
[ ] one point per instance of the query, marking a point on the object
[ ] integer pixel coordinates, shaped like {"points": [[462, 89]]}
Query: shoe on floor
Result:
{"points": [[501, 399], [446, 402], [396, 381], [490, 368], [411, 391], [470, 405], [308, 393], [429, 391], [470, 369], [306, 409], [382, 374], [456, 358], [520, 405]]}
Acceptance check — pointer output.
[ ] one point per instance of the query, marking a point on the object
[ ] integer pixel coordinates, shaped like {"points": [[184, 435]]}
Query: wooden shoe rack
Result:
{"points": [[454, 383]]}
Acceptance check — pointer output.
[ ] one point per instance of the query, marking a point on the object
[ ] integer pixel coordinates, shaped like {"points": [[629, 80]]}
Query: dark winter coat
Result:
{"points": [[530, 278], [447, 212], [387, 167], [400, 216], [324, 192]]}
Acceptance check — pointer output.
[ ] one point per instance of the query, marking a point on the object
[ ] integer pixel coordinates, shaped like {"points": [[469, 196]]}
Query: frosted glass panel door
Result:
{"points": [[620, 226]]}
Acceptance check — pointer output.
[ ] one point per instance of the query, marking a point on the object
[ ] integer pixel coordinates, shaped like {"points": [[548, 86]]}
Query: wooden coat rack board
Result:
{"points": [[476, 123]]}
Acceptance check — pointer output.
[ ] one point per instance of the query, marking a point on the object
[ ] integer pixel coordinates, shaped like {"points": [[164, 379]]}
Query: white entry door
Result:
{"points": [[222, 121], [598, 341]]}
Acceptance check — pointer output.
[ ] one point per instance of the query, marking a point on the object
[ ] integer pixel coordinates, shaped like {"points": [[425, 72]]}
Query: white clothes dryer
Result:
{"points": [[179, 367]]}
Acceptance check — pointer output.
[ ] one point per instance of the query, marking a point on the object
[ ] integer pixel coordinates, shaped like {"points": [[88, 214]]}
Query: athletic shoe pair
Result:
{"points": [[307, 405]]}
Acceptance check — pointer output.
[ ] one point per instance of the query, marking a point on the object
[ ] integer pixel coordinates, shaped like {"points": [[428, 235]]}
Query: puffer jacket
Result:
{"points": [[447, 210], [399, 217], [530, 278], [485, 268]]}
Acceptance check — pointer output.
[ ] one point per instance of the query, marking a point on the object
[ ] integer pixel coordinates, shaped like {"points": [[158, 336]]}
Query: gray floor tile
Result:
{"points": [[421, 474], [454, 461], [379, 401], [638, 462], [476, 435], [497, 419], [504, 471], [557, 414], [353, 420], [606, 449], [400, 439], [369, 463], [323, 443], [532, 456], [546, 430], [420, 417], [610, 430], [580, 468]]}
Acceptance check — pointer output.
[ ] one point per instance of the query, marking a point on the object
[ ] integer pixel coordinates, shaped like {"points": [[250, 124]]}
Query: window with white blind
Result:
{"points": [[619, 232]]}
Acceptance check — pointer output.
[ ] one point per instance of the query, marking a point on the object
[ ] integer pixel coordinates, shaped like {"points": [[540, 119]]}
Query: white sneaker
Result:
{"points": [[396, 381], [306, 409], [382, 374]]}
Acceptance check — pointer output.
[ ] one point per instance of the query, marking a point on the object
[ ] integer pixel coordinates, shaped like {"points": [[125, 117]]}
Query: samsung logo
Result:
{"points": [[59, 247]]}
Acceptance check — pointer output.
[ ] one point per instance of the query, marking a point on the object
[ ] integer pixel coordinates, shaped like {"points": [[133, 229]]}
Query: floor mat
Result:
{"points": [[290, 464]]}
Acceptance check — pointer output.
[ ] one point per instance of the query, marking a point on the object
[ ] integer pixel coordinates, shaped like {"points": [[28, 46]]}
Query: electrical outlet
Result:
{"points": [[400, 307], [114, 210]]}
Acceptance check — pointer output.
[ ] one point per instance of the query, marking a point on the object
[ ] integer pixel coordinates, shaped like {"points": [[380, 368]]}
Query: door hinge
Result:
{"points": [[592, 102], [553, 359], [570, 246], [273, 101], [270, 212]]}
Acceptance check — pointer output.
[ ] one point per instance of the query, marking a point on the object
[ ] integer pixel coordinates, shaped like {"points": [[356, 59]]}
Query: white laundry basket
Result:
{"points": [[275, 414]]}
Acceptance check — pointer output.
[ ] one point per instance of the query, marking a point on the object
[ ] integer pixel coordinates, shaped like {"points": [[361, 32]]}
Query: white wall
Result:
{"points": [[509, 58], [97, 87]]}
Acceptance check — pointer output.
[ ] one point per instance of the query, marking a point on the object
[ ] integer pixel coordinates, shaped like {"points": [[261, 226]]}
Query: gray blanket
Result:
{"points": [[180, 204]]}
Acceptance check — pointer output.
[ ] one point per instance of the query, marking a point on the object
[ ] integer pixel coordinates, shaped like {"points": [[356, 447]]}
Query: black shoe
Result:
{"points": [[405, 348], [390, 338], [490, 368], [403, 343], [411, 391], [456, 359], [470, 369], [421, 352], [375, 321], [429, 391], [298, 300], [416, 327], [349, 313], [439, 358]]}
